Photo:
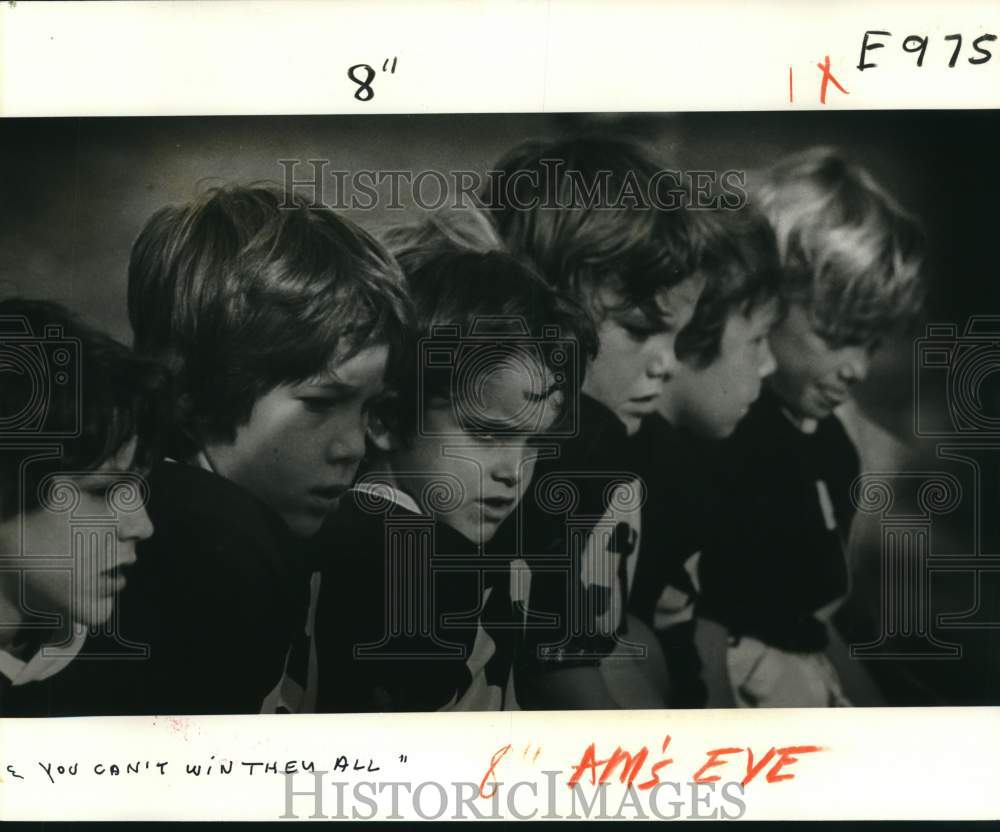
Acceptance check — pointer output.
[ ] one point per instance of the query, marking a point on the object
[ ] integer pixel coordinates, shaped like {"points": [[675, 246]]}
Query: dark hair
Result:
{"points": [[739, 260], [461, 296], [89, 393], [246, 288], [588, 212], [848, 250]]}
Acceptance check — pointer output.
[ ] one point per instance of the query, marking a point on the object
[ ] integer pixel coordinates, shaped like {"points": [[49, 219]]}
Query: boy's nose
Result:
{"points": [[856, 365], [349, 444], [507, 466], [662, 360], [135, 525], [768, 364]]}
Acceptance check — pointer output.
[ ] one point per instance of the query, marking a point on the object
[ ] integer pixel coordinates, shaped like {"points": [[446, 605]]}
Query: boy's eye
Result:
{"points": [[318, 404], [638, 332]]}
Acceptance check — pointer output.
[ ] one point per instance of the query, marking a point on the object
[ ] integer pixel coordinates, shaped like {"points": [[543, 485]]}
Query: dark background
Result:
{"points": [[74, 194]]}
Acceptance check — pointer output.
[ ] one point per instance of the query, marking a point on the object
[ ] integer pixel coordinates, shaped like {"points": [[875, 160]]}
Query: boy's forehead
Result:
{"points": [[512, 392], [811, 321], [683, 294], [663, 305], [767, 312], [350, 365]]}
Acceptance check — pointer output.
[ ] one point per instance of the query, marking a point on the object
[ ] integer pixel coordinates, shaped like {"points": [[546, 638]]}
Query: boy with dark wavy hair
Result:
{"points": [[725, 358], [279, 323], [600, 219], [429, 622]]}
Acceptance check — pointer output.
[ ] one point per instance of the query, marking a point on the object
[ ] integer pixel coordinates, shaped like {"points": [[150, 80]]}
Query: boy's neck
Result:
{"points": [[805, 424]]}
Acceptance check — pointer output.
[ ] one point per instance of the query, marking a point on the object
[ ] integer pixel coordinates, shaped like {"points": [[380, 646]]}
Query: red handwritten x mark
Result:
{"points": [[827, 77]]}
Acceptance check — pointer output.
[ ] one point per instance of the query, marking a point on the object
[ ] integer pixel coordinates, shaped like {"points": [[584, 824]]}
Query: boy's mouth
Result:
{"points": [[328, 492], [642, 404], [496, 508], [833, 397], [113, 581]]}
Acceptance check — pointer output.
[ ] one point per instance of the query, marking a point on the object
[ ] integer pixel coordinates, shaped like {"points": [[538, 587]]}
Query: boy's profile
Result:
{"points": [[775, 570], [633, 266], [725, 356], [491, 374], [58, 584], [724, 350]]}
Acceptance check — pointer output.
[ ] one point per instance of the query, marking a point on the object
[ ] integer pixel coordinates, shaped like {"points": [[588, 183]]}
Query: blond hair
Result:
{"points": [[848, 250]]}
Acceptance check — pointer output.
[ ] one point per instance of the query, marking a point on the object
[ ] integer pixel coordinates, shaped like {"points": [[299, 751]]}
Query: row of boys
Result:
{"points": [[572, 458]]}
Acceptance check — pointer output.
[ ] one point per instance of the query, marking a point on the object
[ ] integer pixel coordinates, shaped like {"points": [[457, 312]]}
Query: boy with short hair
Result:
{"points": [[589, 214], [71, 489], [775, 569], [428, 622], [278, 321], [725, 356]]}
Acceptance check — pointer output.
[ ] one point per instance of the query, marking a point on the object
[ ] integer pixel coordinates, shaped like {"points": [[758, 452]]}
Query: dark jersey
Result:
{"points": [[580, 524], [411, 615], [776, 554], [677, 467], [214, 599]]}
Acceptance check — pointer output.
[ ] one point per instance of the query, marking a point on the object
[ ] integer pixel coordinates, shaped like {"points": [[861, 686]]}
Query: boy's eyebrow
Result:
{"points": [[332, 384], [652, 317]]}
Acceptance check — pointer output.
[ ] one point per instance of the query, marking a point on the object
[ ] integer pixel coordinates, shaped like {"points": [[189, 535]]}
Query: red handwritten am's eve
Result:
{"points": [[775, 765]]}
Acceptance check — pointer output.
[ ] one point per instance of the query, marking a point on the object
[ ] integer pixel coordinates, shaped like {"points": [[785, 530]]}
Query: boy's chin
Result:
{"points": [[304, 525], [477, 533]]}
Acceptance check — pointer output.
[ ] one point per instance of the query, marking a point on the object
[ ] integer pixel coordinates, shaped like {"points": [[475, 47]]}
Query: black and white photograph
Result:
{"points": [[389, 413]]}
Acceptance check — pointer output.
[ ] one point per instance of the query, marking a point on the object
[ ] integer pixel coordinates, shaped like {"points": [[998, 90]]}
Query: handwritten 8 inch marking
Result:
{"points": [[365, 91]]}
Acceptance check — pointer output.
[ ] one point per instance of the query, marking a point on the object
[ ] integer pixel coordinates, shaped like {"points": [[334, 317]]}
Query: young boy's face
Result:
{"points": [[84, 589], [486, 461], [712, 399], [814, 377], [300, 449], [636, 350]]}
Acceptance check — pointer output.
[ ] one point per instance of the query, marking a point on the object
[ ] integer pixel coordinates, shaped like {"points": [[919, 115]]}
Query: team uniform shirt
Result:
{"points": [[411, 615], [214, 600], [582, 526], [678, 469], [775, 566], [42, 663]]}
